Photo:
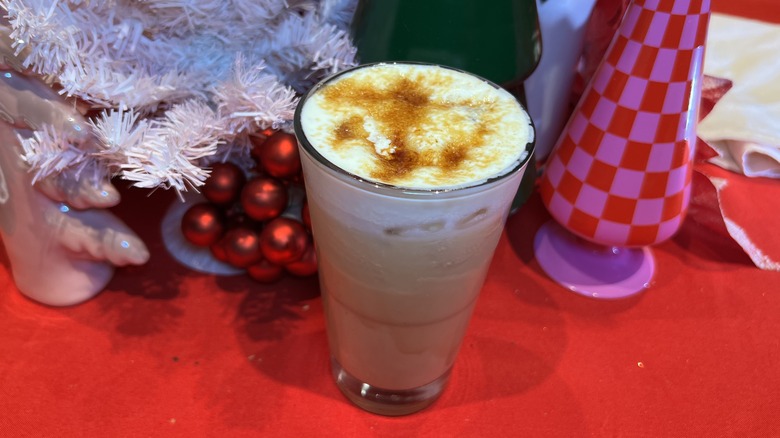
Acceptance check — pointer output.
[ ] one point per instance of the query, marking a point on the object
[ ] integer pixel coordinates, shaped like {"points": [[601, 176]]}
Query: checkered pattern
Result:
{"points": [[621, 172]]}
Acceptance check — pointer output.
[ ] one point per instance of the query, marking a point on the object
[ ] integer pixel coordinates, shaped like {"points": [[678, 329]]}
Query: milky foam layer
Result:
{"points": [[416, 126]]}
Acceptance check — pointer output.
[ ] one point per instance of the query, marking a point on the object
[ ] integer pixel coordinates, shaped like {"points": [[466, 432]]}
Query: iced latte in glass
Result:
{"points": [[410, 171]]}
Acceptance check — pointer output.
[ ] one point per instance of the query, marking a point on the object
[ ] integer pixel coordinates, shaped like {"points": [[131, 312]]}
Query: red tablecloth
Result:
{"points": [[165, 351]]}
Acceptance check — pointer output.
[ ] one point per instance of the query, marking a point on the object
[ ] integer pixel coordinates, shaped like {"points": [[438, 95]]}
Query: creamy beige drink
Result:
{"points": [[410, 171]]}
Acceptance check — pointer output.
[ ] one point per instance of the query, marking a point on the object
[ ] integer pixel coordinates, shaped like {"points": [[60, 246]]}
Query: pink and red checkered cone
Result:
{"points": [[620, 174]]}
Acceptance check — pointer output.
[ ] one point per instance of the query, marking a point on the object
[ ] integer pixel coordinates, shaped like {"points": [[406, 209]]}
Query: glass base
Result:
{"points": [[388, 402], [591, 270]]}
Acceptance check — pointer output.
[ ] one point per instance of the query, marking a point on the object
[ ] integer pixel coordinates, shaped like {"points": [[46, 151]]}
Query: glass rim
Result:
{"points": [[319, 158]]}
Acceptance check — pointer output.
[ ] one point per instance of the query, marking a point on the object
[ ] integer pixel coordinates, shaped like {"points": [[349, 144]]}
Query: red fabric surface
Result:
{"points": [[165, 351]]}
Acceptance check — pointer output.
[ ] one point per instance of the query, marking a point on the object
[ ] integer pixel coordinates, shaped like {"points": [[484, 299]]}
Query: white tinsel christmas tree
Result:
{"points": [[173, 85]]}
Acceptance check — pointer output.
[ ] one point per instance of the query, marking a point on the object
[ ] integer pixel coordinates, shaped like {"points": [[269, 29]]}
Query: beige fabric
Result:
{"points": [[744, 126]]}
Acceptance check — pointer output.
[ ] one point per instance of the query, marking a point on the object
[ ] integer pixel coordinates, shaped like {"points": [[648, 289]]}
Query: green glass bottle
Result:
{"points": [[499, 40]]}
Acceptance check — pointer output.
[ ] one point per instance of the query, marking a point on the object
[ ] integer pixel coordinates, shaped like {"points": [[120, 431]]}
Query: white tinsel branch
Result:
{"points": [[49, 153], [253, 100], [119, 131], [39, 27], [336, 54], [159, 152], [181, 82]]}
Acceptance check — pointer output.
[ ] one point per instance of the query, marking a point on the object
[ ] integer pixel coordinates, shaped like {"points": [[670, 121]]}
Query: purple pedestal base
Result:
{"points": [[589, 269]]}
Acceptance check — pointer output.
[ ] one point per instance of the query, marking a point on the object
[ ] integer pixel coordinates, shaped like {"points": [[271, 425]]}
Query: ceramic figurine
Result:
{"points": [[61, 241]]}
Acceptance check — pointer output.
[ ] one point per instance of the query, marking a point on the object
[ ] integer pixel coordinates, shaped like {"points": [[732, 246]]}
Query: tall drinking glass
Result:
{"points": [[410, 171]]}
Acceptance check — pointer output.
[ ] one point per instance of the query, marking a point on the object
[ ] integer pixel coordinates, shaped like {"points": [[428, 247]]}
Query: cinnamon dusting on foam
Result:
{"points": [[416, 125]]}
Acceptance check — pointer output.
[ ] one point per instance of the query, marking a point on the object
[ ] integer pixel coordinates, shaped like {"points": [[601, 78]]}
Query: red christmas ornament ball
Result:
{"points": [[278, 155], [224, 184], [264, 198], [306, 265], [218, 250], [265, 271], [202, 224], [283, 240], [257, 143], [242, 247]]}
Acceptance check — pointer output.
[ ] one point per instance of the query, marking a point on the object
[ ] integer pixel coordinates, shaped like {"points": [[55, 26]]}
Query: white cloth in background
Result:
{"points": [[744, 126]]}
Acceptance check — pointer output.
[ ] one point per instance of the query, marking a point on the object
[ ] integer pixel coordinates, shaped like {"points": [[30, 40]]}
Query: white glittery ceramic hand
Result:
{"points": [[61, 243]]}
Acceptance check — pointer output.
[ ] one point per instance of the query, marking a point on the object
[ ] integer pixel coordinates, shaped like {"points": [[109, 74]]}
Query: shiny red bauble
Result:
{"points": [[224, 184], [202, 224], [278, 155], [283, 240], [265, 271], [264, 198], [306, 265], [242, 247], [218, 250], [244, 222]]}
